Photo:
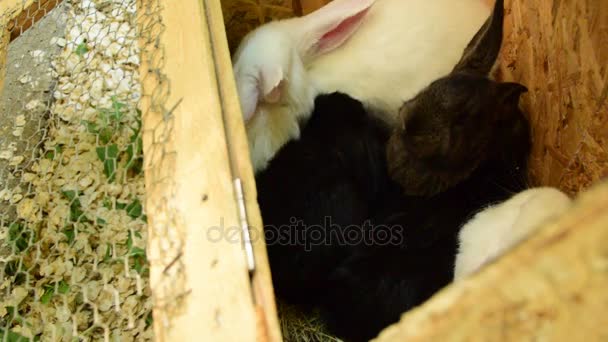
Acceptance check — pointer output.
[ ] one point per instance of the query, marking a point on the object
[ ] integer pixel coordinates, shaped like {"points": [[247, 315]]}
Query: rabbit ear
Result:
{"points": [[480, 54], [330, 26], [266, 85], [271, 77], [249, 94]]}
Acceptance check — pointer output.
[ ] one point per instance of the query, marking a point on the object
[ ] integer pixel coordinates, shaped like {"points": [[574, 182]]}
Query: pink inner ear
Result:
{"points": [[337, 36]]}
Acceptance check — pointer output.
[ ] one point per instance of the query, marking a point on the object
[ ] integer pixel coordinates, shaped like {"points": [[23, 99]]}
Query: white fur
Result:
{"points": [[497, 228], [399, 48], [273, 124]]}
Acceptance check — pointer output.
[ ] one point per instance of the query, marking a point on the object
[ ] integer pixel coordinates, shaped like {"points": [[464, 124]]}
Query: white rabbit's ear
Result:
{"points": [[266, 86], [249, 94], [271, 77], [330, 26]]}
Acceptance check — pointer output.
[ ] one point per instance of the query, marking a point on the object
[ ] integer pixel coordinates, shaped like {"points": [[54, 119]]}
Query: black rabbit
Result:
{"points": [[317, 187]]}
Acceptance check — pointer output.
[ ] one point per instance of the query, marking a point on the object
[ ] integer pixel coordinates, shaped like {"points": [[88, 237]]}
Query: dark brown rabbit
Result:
{"points": [[453, 124]]}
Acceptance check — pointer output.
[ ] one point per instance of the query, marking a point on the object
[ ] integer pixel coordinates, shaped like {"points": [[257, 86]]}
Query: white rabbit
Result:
{"points": [[400, 47], [491, 232]]}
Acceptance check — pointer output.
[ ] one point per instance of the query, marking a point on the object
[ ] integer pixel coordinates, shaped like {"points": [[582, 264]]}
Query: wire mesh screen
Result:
{"points": [[73, 232]]}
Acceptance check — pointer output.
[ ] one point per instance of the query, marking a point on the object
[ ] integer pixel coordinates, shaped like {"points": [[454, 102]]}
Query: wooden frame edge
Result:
{"points": [[197, 129], [241, 166]]}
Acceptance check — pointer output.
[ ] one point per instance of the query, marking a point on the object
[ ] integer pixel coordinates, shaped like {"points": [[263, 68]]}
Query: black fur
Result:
{"points": [[336, 171], [371, 289]]}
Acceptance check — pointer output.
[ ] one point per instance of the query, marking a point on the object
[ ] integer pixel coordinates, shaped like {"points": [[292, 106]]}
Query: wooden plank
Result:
{"points": [[199, 278], [241, 167], [552, 287], [558, 49]]}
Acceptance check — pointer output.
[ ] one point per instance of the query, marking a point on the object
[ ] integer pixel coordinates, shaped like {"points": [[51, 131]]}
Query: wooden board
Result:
{"points": [[199, 276], [559, 49], [552, 287], [238, 150]]}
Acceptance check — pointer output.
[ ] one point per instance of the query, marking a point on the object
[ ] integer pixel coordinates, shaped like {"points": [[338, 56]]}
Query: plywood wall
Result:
{"points": [[559, 50]]}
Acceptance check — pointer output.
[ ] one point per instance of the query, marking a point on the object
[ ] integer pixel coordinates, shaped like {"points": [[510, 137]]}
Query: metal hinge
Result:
{"points": [[247, 245]]}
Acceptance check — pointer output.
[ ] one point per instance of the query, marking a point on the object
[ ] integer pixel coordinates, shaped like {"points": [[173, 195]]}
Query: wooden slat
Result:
{"points": [[201, 287], [550, 288], [558, 49], [241, 165]]}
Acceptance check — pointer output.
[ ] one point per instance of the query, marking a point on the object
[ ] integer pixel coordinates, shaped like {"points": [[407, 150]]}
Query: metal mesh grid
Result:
{"points": [[73, 264]]}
